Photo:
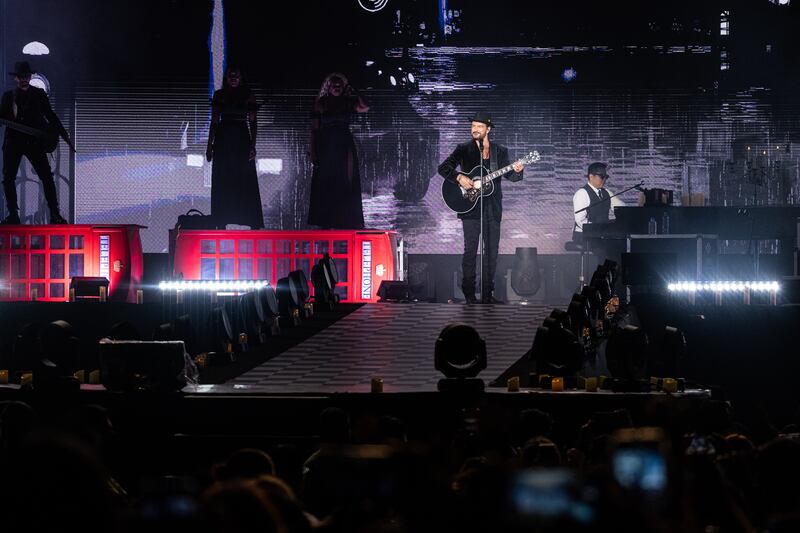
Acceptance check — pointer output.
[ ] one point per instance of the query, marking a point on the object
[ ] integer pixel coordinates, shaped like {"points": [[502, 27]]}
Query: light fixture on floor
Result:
{"points": [[460, 354]]}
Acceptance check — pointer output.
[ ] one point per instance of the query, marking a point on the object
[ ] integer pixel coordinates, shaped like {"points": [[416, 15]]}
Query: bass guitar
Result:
{"points": [[47, 138], [463, 200]]}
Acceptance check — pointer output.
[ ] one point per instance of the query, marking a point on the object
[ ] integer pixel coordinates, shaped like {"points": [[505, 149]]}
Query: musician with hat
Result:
{"points": [[29, 117], [593, 203], [466, 156]]}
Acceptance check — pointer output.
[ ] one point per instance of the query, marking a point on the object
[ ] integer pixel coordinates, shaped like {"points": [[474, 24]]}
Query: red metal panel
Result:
{"points": [[41, 260], [269, 255]]}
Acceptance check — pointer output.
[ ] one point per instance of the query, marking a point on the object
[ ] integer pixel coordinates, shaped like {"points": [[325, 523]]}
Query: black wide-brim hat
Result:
{"points": [[22, 68], [482, 117]]}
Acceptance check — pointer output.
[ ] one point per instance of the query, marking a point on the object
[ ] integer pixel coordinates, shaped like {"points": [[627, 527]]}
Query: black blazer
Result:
{"points": [[468, 156], [35, 112]]}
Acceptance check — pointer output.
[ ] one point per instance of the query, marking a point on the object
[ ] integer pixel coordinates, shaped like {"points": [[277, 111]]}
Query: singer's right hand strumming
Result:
{"points": [[464, 181]]}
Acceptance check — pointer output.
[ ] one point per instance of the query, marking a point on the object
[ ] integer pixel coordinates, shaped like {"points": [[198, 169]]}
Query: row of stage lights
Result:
{"points": [[213, 285], [724, 286]]}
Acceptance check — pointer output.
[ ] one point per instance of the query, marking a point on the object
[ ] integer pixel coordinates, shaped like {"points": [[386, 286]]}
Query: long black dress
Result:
{"points": [[235, 198], [335, 182]]}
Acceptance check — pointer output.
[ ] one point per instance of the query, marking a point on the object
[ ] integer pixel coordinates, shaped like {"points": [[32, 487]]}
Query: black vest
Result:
{"points": [[599, 211]]}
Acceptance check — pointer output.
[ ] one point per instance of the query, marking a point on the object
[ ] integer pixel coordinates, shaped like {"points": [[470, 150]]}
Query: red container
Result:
{"points": [[37, 262], [363, 258]]}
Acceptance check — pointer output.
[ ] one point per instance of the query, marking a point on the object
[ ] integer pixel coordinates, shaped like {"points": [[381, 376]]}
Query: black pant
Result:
{"points": [[491, 236], [12, 157]]}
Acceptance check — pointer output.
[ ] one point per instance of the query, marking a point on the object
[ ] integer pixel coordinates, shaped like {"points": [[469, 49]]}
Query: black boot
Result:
{"points": [[12, 218], [468, 288], [492, 300], [56, 218]]}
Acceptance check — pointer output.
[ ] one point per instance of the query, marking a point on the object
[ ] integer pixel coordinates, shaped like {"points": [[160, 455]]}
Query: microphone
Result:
{"points": [[480, 144]]}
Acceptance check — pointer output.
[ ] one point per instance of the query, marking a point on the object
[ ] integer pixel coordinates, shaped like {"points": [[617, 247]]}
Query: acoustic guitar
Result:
{"points": [[463, 200]]}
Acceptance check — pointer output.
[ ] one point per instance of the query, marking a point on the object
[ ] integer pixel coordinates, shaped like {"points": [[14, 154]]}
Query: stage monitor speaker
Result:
{"points": [[394, 291], [88, 287], [144, 365]]}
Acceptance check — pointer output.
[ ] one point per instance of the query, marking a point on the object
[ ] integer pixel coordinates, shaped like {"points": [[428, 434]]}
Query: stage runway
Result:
{"points": [[391, 341]]}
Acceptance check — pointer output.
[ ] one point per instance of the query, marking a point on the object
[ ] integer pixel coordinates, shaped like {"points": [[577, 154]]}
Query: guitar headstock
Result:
{"points": [[532, 157]]}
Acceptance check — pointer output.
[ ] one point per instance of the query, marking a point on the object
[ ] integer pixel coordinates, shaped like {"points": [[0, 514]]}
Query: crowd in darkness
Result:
{"points": [[369, 473]]}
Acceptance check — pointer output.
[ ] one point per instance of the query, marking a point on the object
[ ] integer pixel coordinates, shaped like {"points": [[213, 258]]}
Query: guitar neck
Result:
{"points": [[498, 173], [21, 127]]}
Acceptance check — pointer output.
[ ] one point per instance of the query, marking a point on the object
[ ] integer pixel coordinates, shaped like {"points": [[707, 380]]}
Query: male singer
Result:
{"points": [[467, 156]]}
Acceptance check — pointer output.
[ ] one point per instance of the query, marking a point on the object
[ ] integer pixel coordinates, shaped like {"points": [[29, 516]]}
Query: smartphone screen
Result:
{"points": [[640, 468], [549, 495]]}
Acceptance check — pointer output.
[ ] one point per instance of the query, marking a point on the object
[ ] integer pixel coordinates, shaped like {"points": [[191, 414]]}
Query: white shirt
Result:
{"points": [[581, 200]]}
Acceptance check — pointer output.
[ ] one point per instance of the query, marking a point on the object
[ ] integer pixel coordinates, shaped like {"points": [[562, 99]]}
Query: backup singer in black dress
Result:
{"points": [[467, 156], [235, 198], [336, 182]]}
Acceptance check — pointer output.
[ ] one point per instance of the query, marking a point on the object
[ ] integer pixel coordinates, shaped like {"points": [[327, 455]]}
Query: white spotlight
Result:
{"points": [[35, 48]]}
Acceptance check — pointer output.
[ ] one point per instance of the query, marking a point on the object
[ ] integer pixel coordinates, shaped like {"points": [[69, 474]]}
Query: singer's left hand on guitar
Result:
{"points": [[517, 166]]}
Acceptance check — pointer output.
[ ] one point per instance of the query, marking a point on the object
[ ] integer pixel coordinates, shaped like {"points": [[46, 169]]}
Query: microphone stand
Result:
{"points": [[482, 233]]}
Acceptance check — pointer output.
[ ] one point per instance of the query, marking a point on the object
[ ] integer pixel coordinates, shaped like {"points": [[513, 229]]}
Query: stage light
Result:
{"points": [[324, 278], [723, 286], [556, 350], [35, 48], [460, 354], [569, 74], [579, 314], [194, 160], [213, 285], [561, 317], [180, 329], [373, 5], [253, 317], [219, 333], [270, 166], [292, 292], [594, 301], [392, 80]]}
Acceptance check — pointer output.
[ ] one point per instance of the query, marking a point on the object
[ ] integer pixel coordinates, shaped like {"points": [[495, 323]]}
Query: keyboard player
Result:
{"points": [[593, 203]]}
